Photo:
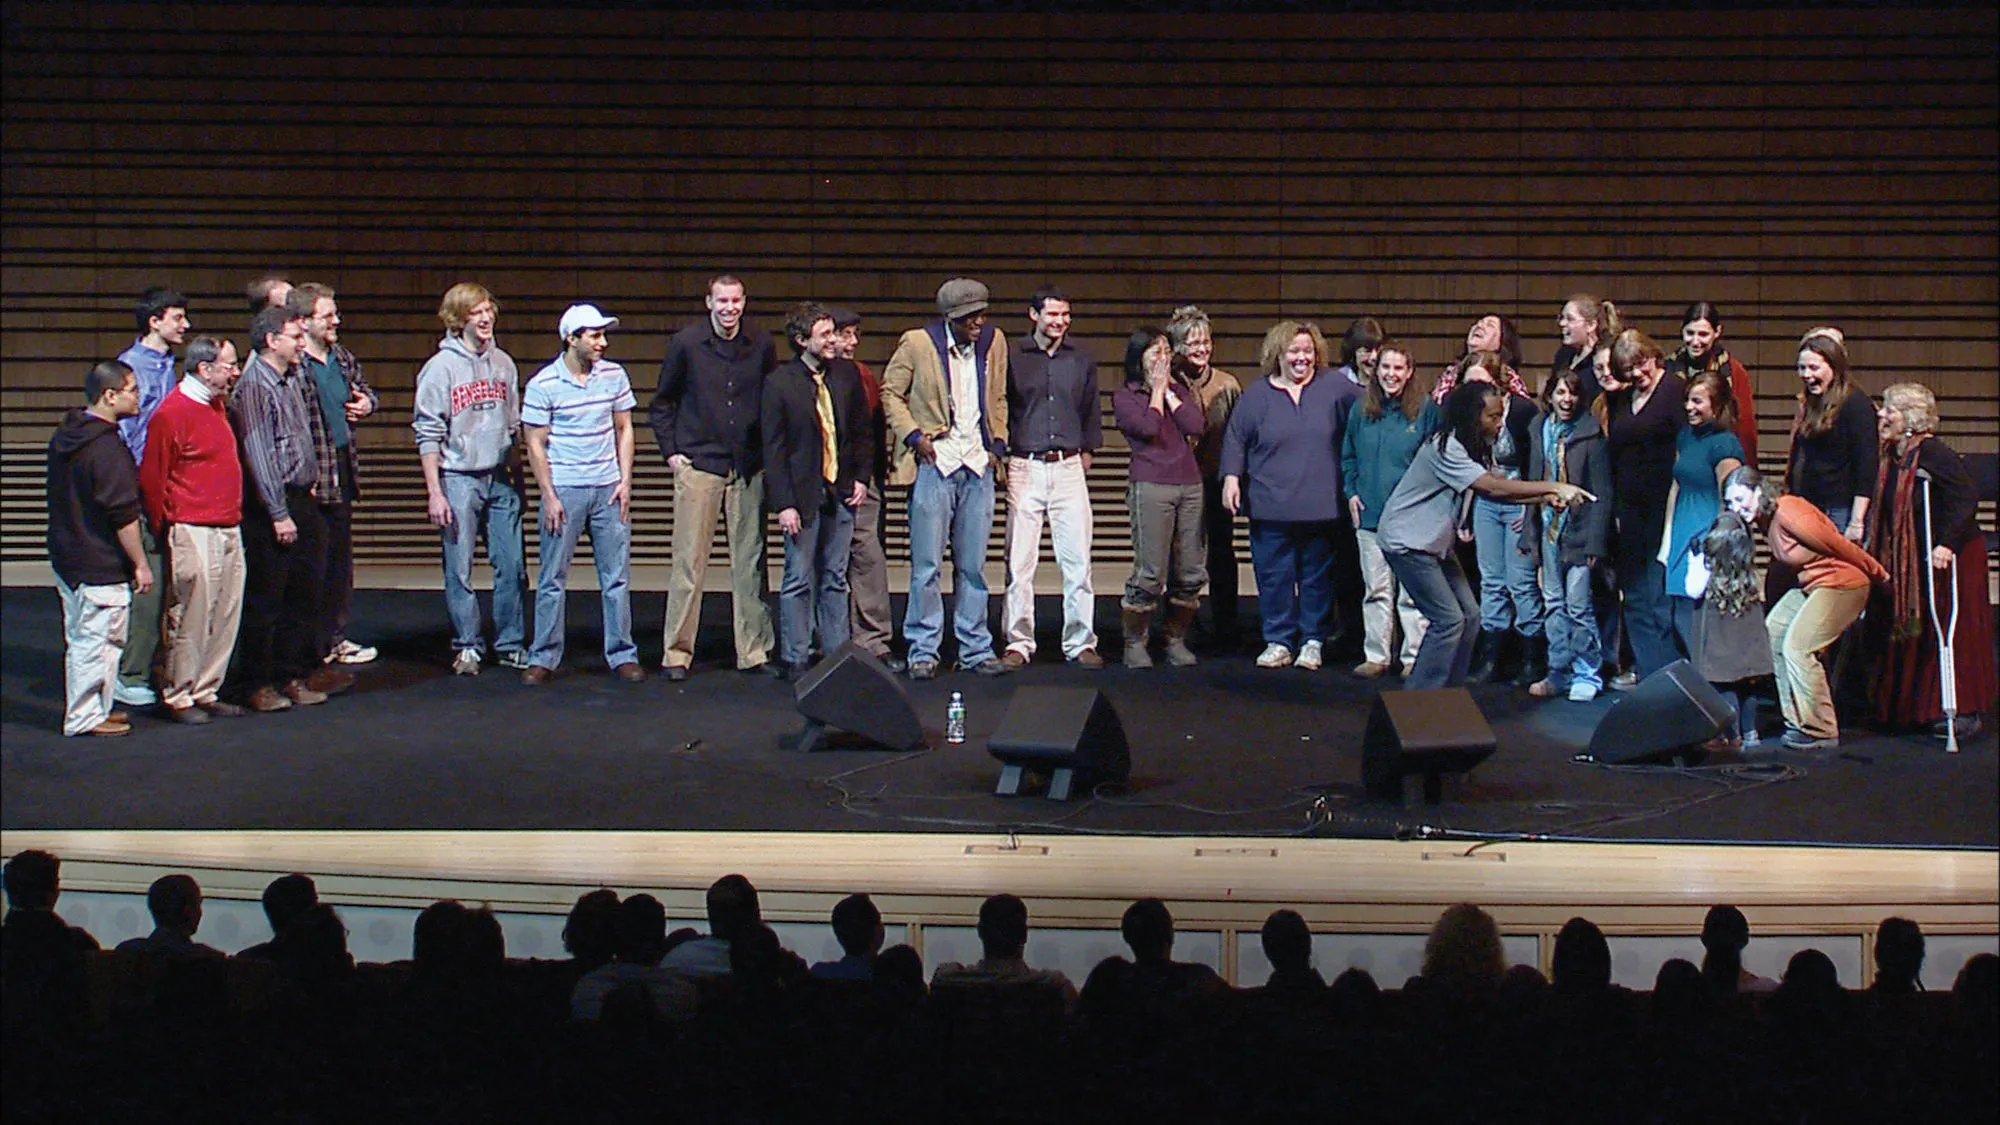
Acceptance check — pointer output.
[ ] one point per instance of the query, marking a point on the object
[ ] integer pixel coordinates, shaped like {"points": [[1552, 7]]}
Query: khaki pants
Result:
{"points": [[1801, 626], [698, 498], [868, 579], [142, 642], [204, 602]]}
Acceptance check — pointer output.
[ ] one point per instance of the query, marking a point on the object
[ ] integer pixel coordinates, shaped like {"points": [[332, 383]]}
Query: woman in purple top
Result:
{"points": [[1161, 418], [1281, 466]]}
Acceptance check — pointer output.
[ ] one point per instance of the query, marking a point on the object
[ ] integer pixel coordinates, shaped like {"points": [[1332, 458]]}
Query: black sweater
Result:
{"points": [[1832, 468], [1642, 470], [93, 491]]}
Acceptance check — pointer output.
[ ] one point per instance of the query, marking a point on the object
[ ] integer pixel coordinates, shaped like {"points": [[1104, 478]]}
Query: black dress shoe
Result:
{"points": [[767, 668], [895, 663], [676, 673]]}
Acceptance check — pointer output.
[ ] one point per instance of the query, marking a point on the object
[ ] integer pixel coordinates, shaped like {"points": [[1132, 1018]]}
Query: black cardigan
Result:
{"points": [[1642, 470]]}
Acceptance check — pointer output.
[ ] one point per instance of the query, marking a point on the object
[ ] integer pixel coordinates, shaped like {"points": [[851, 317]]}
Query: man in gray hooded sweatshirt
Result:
{"points": [[468, 413]]}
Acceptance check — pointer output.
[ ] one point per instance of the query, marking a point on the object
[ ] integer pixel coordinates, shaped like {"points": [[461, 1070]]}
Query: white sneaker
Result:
{"points": [[347, 652], [135, 695], [1274, 656], [1581, 693], [467, 663], [515, 658], [1309, 656]]}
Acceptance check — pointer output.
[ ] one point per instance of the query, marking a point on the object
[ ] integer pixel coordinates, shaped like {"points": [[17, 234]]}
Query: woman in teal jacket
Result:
{"points": [[1385, 426]]}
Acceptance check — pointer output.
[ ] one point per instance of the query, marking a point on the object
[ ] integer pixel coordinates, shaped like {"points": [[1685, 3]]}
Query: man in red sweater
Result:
{"points": [[192, 483]]}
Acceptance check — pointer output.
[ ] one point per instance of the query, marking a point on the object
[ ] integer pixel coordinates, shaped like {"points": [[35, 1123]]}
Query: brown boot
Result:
{"points": [[1138, 624], [1180, 619]]}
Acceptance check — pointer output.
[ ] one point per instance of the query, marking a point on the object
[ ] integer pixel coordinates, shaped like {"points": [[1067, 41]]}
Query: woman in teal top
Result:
{"points": [[1385, 426], [1705, 453]]}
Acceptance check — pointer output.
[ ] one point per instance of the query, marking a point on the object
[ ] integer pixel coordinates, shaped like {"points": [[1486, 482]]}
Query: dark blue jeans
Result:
{"points": [[1294, 565], [1649, 621], [1450, 608]]}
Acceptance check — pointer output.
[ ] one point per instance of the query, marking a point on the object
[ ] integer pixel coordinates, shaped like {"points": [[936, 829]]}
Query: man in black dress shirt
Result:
{"points": [[1055, 426], [705, 418]]}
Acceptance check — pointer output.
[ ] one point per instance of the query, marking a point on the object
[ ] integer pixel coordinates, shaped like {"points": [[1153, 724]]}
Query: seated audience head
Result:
{"points": [[1522, 987], [1288, 942], [1582, 959], [1149, 930], [857, 925], [1809, 970], [1356, 998], [174, 901], [454, 940], [287, 897], [1810, 995], [641, 930], [316, 944], [1977, 991], [1679, 996], [34, 880], [1724, 934], [591, 933], [1463, 953], [899, 965], [733, 908], [1003, 927], [1899, 955]]}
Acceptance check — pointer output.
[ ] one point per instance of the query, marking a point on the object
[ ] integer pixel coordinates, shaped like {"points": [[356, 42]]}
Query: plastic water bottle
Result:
{"points": [[954, 719]]}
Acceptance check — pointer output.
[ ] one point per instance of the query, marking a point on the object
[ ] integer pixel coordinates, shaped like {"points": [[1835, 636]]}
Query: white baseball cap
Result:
{"points": [[581, 317]]}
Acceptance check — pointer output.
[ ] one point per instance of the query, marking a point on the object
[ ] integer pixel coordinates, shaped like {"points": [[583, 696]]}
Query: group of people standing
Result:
{"points": [[200, 523], [1613, 509]]}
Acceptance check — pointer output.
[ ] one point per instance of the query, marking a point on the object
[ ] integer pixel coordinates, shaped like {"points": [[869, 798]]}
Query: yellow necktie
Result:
{"points": [[829, 459]]}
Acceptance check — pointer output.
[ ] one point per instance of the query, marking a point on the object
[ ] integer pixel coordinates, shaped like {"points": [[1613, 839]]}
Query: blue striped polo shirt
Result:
{"points": [[583, 451]]}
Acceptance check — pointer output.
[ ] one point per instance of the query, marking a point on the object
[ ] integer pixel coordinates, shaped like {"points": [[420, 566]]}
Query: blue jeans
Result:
{"points": [[611, 547], [1571, 624], [815, 584], [1649, 621], [957, 509], [1444, 597], [1293, 561], [484, 503], [1509, 598]]}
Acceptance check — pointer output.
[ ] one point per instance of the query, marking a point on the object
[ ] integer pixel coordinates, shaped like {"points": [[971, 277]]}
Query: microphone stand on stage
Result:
{"points": [[1947, 665]]}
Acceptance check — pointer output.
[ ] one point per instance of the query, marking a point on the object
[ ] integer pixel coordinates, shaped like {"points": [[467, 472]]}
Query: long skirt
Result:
{"points": [[1904, 681]]}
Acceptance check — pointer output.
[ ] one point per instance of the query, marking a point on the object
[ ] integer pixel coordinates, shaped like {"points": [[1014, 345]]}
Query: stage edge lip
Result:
{"points": [[1187, 868]]}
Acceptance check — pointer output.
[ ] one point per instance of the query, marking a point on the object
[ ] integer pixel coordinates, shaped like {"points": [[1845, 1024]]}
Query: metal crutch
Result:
{"points": [[1947, 665]]}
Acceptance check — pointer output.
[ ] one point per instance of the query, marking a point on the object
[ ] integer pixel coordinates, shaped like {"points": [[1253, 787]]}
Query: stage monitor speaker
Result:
{"points": [[1072, 732], [1430, 733], [1668, 715], [852, 692]]}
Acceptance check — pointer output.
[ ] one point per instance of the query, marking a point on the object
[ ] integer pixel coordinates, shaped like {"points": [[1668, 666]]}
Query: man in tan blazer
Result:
{"points": [[944, 394]]}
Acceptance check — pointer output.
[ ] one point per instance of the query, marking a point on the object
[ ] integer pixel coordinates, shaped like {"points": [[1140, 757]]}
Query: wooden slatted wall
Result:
{"points": [[1795, 168]]}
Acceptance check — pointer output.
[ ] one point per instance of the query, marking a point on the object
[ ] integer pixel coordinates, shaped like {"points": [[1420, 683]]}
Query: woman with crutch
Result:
{"points": [[1930, 630]]}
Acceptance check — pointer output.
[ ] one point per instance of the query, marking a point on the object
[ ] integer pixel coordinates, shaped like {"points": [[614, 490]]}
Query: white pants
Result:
{"points": [[1054, 490], [95, 619], [1380, 592]]}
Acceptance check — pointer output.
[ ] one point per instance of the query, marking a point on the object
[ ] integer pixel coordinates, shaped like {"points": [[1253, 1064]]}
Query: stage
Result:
{"points": [[1222, 749]]}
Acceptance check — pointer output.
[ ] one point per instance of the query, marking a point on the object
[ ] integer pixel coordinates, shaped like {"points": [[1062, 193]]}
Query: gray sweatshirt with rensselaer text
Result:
{"points": [[468, 407]]}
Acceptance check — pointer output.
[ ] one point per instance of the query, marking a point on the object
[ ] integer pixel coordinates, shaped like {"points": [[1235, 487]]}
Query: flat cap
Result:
{"points": [[961, 296]]}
